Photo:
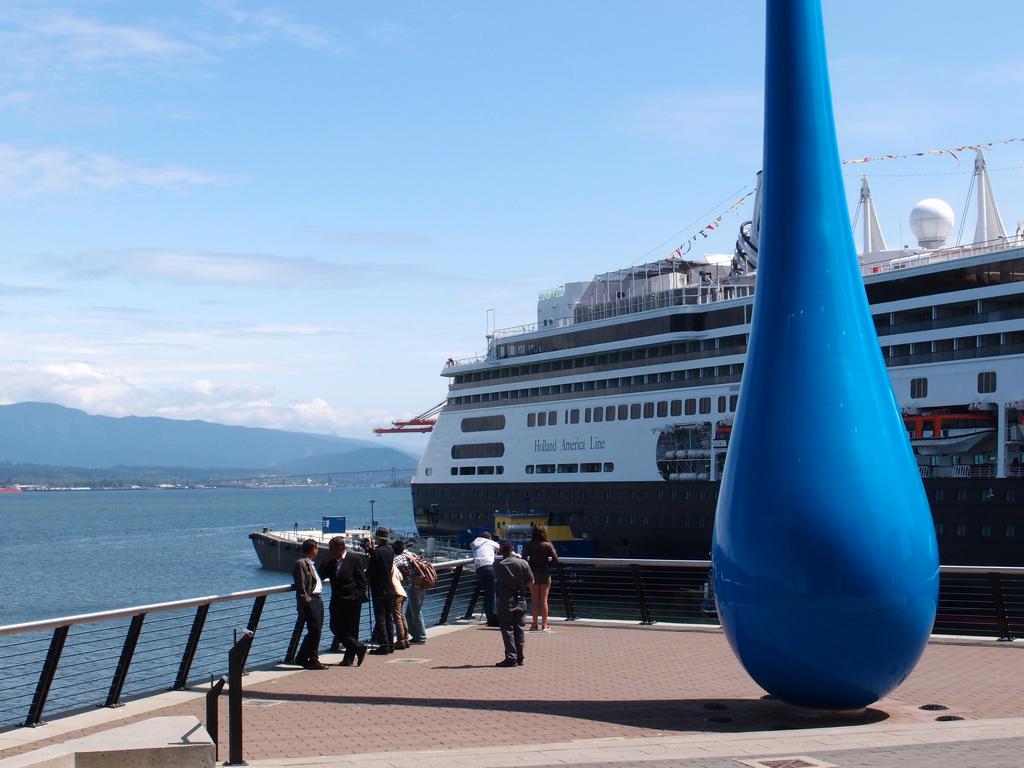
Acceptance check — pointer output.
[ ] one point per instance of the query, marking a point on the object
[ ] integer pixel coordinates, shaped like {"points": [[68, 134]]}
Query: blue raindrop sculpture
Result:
{"points": [[825, 560]]}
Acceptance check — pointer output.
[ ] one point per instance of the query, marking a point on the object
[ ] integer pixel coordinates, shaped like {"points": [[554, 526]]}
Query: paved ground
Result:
{"points": [[648, 693]]}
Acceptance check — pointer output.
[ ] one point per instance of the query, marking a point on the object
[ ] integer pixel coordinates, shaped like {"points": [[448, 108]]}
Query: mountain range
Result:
{"points": [[50, 434]]}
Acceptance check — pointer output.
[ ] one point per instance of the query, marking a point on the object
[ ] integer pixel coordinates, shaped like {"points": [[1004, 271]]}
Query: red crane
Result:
{"points": [[422, 423]]}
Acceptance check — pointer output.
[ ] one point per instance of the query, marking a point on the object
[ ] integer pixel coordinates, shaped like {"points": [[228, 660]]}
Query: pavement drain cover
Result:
{"points": [[786, 762], [261, 702], [933, 707], [948, 718], [408, 661]]}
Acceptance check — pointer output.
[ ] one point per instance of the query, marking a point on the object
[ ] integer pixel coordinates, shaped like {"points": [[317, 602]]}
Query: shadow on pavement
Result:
{"points": [[675, 715]]}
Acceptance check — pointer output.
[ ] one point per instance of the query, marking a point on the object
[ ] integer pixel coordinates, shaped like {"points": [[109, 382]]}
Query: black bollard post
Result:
{"points": [[213, 715], [236, 666]]}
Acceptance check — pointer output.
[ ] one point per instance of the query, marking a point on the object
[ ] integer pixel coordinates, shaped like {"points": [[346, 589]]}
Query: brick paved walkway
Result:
{"points": [[580, 682]]}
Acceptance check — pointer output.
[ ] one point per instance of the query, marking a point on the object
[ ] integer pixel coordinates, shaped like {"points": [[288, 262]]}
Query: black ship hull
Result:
{"points": [[978, 521]]}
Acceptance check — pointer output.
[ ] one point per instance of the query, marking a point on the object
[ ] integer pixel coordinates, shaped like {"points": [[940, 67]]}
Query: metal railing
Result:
{"points": [[71, 663], [92, 660]]}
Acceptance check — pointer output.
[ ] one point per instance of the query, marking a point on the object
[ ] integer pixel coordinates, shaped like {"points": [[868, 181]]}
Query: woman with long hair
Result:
{"points": [[540, 554]]}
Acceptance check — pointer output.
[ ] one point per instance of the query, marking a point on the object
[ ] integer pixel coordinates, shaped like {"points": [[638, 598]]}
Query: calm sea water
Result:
{"points": [[64, 553]]}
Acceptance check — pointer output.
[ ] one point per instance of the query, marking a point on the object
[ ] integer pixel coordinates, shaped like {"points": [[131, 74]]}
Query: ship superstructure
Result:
{"points": [[612, 413]]}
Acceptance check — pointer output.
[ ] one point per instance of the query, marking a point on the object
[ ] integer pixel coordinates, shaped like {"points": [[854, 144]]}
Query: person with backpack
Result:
{"points": [[418, 577]]}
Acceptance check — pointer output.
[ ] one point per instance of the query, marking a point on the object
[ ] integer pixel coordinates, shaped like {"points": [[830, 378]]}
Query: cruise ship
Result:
{"points": [[611, 415]]}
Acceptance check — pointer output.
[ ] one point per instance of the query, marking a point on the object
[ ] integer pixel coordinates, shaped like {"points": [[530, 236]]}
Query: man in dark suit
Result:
{"points": [[345, 570], [512, 577], [309, 600], [382, 560]]}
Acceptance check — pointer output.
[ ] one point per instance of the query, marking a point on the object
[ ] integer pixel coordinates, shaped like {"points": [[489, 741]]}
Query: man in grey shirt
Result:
{"points": [[513, 577]]}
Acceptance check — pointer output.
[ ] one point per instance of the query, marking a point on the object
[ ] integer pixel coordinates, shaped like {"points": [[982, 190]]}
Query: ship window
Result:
{"points": [[499, 469], [586, 415], [574, 416], [940, 494], [485, 470], [478, 450], [1011, 494], [609, 413], [987, 381], [939, 529], [721, 403], [662, 409], [986, 529], [529, 469], [687, 522], [677, 407], [593, 467], [552, 418], [428, 471], [979, 458], [609, 467], [648, 410], [542, 419], [732, 403], [961, 494], [632, 519], [467, 470], [687, 494], [691, 407], [455, 470], [568, 469], [1011, 531], [705, 405], [598, 415], [545, 469], [919, 387], [961, 529], [623, 413], [700, 522], [634, 411]]}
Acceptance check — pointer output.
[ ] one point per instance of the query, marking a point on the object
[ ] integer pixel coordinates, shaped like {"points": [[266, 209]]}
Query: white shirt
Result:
{"points": [[483, 551], [319, 588]]}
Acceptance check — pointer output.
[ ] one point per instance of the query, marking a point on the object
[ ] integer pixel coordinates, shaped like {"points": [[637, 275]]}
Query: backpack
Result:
{"points": [[424, 574]]}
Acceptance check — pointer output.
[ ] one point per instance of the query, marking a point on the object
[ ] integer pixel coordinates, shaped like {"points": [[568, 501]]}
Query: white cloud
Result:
{"points": [[96, 390], [33, 172], [261, 24], [238, 269]]}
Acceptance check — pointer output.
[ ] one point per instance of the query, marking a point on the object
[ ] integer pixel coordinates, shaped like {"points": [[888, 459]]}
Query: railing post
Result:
{"points": [[236, 666], [472, 600], [645, 612], [1005, 634], [189, 655], [257, 611], [293, 642], [450, 597], [213, 713], [563, 583], [46, 675], [127, 653]]}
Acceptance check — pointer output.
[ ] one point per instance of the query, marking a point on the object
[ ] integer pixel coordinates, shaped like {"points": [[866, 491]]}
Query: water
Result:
{"points": [[64, 553]]}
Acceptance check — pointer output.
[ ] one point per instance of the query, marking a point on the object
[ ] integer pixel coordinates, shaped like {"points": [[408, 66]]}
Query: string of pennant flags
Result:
{"points": [[953, 152]]}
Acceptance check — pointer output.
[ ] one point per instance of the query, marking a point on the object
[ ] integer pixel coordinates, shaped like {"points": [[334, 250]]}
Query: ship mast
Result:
{"points": [[872, 238], [990, 223]]}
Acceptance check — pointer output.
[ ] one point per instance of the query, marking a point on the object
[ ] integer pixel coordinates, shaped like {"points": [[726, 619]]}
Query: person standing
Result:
{"points": [[382, 561], [397, 577], [415, 595], [541, 554], [512, 576], [484, 548], [308, 594], [346, 572]]}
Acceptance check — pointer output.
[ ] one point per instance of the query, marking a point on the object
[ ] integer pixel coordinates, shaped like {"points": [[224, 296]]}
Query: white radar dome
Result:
{"points": [[931, 222]]}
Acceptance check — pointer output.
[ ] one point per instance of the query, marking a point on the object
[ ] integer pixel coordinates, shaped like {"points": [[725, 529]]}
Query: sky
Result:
{"points": [[291, 215]]}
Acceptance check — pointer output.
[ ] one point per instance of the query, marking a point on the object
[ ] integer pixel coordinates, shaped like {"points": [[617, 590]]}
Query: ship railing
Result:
{"points": [[722, 292], [72, 663], [941, 256]]}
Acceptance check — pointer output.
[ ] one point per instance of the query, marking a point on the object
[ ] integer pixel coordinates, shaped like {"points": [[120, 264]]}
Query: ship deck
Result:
{"points": [[595, 693]]}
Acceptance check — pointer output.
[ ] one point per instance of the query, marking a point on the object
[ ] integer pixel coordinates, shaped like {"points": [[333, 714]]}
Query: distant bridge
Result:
{"points": [[392, 477]]}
